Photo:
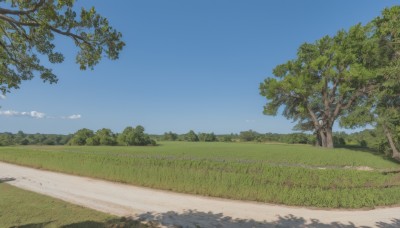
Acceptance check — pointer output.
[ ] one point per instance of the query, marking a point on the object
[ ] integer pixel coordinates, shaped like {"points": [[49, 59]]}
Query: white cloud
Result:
{"points": [[9, 113], [36, 115], [33, 114], [74, 117], [2, 97], [250, 121]]}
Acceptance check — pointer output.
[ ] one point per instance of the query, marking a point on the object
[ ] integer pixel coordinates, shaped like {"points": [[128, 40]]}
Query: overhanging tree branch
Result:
{"points": [[28, 29], [22, 12]]}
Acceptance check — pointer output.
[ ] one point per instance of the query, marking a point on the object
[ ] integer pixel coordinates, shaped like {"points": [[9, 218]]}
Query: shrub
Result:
{"points": [[135, 137], [247, 136], [169, 136], [81, 136], [191, 137]]}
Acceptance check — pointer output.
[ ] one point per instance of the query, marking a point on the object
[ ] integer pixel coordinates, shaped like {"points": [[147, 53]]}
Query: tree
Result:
{"points": [[6, 139], [19, 137], [191, 137], [387, 107], [81, 136], [207, 137], [28, 29], [135, 137], [382, 108], [296, 138], [326, 81], [170, 136], [247, 136], [225, 138], [93, 141], [106, 137]]}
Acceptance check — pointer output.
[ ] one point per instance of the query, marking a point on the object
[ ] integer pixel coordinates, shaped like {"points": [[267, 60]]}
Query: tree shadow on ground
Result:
{"points": [[368, 150], [33, 225], [359, 148], [113, 223], [395, 223], [195, 219], [6, 179], [201, 219]]}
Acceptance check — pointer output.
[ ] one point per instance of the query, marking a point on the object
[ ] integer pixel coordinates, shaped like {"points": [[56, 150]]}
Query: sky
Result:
{"points": [[187, 65]]}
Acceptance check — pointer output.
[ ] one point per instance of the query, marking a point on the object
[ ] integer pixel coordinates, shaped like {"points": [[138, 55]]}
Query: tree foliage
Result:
{"points": [[135, 137], [191, 136], [328, 80], [106, 137], [207, 137], [28, 29], [82, 137], [247, 136], [382, 108], [170, 136]]}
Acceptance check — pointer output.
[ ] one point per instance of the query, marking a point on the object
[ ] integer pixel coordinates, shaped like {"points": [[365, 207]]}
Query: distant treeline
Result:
{"points": [[248, 136], [132, 136], [21, 138]]}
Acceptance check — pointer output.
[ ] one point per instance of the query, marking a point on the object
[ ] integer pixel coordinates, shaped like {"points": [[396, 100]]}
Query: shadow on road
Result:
{"points": [[196, 219], [6, 179]]}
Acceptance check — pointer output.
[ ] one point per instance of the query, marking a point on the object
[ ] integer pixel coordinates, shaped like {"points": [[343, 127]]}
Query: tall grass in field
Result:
{"points": [[284, 174]]}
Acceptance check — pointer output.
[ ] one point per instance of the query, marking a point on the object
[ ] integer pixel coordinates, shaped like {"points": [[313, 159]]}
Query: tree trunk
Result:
{"points": [[323, 138], [329, 138], [319, 139], [395, 151]]}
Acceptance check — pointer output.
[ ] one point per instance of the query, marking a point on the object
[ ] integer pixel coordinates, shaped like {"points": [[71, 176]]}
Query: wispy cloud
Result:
{"points": [[36, 115], [2, 97], [33, 114], [73, 117], [9, 113], [250, 121]]}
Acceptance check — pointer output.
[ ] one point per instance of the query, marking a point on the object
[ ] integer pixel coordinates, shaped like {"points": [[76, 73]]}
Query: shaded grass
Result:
{"points": [[21, 208], [260, 172]]}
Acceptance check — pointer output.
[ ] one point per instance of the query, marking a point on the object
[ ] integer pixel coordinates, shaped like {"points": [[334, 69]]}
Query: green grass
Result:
{"points": [[20, 208], [273, 173]]}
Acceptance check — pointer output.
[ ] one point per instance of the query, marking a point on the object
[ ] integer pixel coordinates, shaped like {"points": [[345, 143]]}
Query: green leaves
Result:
{"points": [[135, 137], [328, 80], [28, 28]]}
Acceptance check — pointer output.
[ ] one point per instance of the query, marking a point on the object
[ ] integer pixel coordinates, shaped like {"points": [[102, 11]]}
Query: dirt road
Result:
{"points": [[174, 209]]}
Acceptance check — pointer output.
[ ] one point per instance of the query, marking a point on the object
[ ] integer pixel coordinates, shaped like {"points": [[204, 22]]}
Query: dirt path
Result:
{"points": [[174, 209]]}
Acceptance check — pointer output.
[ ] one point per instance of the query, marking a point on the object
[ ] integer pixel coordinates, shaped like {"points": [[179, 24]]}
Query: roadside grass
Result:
{"points": [[272, 173], [21, 208]]}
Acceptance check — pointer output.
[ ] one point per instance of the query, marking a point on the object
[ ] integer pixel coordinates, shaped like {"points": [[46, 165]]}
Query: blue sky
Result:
{"points": [[187, 65]]}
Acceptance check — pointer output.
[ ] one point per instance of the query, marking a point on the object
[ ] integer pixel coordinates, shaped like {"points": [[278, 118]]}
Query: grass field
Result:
{"points": [[20, 208], [273, 173]]}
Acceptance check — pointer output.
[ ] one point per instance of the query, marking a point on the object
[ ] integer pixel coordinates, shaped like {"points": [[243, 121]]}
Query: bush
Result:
{"points": [[106, 137], [81, 136], [169, 136], [191, 137], [6, 139], [93, 141], [247, 136], [297, 138], [363, 143], [225, 138], [207, 137], [338, 141], [135, 137]]}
